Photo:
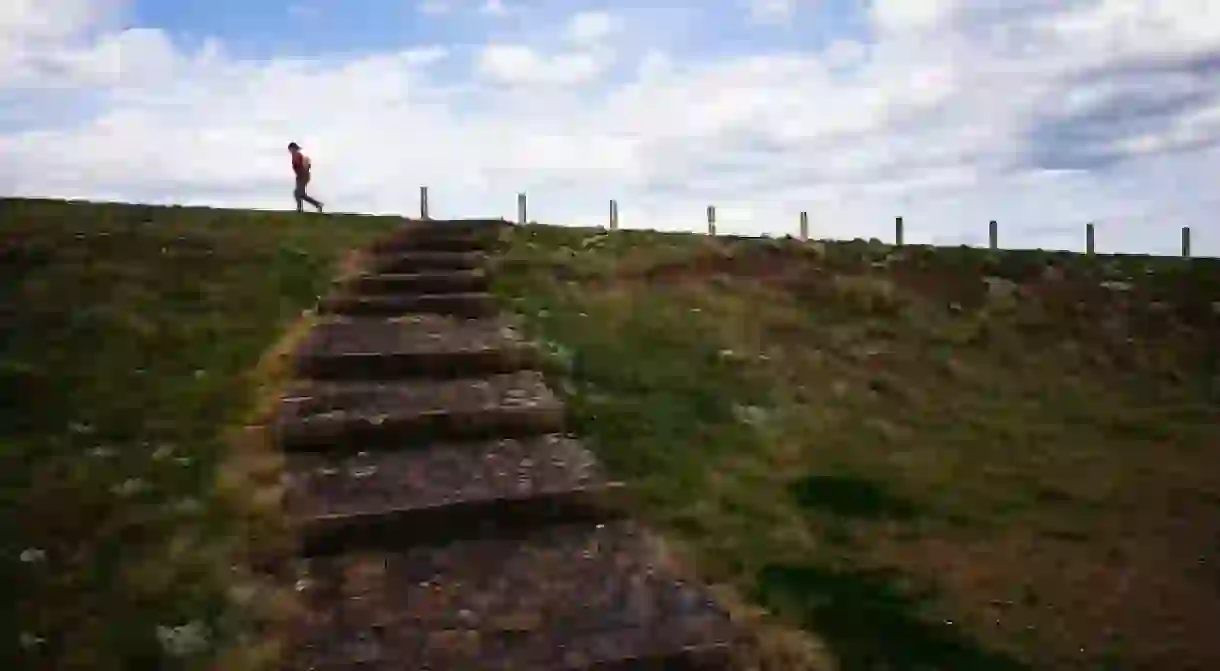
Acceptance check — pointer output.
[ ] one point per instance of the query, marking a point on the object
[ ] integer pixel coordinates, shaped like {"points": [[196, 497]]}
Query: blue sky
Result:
{"points": [[1043, 115]]}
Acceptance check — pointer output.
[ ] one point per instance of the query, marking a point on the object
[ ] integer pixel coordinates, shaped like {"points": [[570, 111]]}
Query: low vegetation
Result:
{"points": [[913, 458], [130, 357], [884, 458]]}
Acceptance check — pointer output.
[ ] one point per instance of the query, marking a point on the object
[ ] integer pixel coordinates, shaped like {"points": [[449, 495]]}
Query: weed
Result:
{"points": [[1038, 434], [129, 331]]}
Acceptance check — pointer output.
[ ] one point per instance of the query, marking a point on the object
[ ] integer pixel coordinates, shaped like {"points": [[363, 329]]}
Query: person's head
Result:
{"points": [[294, 147]]}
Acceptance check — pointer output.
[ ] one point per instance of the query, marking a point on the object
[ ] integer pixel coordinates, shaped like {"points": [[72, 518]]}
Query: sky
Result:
{"points": [[1043, 115]]}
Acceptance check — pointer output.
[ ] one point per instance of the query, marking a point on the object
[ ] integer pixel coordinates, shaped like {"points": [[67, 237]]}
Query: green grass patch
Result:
{"points": [[905, 436], [849, 497], [129, 333], [872, 623]]}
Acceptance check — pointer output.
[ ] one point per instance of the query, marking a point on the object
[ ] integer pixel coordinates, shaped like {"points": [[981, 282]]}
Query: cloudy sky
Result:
{"points": [[1041, 114]]}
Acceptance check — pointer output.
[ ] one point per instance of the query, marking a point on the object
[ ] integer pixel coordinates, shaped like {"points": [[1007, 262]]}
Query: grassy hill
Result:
{"points": [[918, 458], [929, 458], [131, 342]]}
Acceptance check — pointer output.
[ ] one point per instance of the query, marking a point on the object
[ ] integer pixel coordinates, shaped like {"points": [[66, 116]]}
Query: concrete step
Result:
{"points": [[424, 261], [413, 345], [475, 224], [471, 305], [354, 416], [388, 499], [428, 282], [583, 596], [434, 239]]}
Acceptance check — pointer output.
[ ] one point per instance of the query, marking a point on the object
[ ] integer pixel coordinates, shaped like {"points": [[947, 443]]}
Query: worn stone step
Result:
{"points": [[412, 345], [471, 305], [566, 597], [402, 497], [433, 240], [420, 261], [451, 225], [429, 282], [358, 415]]}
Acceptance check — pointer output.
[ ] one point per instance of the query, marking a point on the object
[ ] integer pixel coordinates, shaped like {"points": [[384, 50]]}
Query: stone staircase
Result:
{"points": [[447, 521]]}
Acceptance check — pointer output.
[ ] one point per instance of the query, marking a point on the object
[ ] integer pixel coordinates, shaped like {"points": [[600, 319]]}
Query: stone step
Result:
{"points": [[419, 261], [412, 345], [433, 240], [450, 225], [470, 305], [352, 416], [579, 596], [383, 499], [429, 282]]}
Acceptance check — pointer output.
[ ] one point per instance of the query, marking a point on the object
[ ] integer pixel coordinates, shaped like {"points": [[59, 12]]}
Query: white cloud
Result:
{"points": [[772, 10], [517, 64], [1042, 115], [494, 8], [435, 6], [590, 27], [905, 16]]}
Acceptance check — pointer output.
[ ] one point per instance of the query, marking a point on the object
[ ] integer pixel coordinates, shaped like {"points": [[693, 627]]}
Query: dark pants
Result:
{"points": [[299, 192]]}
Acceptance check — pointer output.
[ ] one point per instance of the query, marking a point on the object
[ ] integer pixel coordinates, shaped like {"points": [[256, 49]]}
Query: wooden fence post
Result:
{"points": [[1088, 239], [898, 231], [804, 226], [711, 220], [521, 212], [614, 215], [423, 202], [1186, 242], [993, 235]]}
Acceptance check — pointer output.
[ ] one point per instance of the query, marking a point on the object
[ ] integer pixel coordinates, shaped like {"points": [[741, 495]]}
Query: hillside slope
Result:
{"points": [[129, 337], [927, 458]]}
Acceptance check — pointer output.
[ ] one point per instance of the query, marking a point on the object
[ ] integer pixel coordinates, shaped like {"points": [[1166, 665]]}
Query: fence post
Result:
{"points": [[711, 220], [804, 226], [423, 202], [614, 215], [898, 231], [1088, 239], [993, 235], [1186, 242], [521, 213]]}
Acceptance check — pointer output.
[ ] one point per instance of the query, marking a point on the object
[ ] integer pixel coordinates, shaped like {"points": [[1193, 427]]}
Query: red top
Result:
{"points": [[300, 164]]}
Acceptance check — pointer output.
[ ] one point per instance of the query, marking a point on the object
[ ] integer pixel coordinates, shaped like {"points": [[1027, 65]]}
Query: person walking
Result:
{"points": [[301, 166]]}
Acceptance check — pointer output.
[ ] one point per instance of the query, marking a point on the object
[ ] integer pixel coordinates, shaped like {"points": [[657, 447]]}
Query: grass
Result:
{"points": [[912, 459], [132, 354]]}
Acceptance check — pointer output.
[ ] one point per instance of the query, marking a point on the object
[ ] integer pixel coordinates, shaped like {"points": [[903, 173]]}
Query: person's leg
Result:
{"points": [[316, 203], [305, 196], [298, 194]]}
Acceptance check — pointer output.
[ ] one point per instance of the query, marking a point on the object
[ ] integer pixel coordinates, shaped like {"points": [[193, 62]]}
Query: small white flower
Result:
{"points": [[188, 506], [128, 487], [31, 555], [163, 452], [29, 640], [183, 641], [101, 452]]}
